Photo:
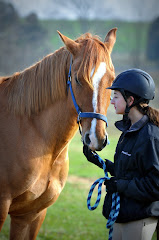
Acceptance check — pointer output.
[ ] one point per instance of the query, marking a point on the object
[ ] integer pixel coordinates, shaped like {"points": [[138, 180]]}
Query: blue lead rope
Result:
{"points": [[115, 199]]}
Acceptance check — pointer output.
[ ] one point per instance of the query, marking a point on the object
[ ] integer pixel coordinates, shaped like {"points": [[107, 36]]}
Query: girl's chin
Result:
{"points": [[117, 112]]}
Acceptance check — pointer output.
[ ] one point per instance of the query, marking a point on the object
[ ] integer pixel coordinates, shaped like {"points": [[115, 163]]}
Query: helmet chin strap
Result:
{"points": [[127, 109], [125, 116]]}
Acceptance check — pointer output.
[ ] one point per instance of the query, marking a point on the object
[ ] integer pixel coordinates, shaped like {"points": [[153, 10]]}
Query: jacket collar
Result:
{"points": [[135, 127]]}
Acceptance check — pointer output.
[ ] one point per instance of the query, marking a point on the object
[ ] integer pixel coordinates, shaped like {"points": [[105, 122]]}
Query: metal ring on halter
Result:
{"points": [[78, 118]]}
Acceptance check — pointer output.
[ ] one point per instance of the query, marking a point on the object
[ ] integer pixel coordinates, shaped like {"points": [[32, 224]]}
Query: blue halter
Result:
{"points": [[83, 114]]}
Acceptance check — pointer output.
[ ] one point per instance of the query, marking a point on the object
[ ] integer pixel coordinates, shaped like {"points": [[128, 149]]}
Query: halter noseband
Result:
{"points": [[79, 112]]}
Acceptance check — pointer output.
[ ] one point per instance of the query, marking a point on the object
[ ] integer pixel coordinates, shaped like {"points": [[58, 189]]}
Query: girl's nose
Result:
{"points": [[112, 101]]}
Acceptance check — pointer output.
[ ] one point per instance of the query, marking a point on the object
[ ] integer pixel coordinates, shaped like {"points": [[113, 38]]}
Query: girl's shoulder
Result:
{"points": [[150, 130]]}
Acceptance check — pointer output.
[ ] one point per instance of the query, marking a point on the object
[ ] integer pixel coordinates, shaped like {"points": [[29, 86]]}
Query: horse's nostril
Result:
{"points": [[105, 141], [87, 139]]}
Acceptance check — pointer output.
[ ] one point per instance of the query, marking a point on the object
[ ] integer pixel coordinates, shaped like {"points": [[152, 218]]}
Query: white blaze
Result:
{"points": [[96, 80]]}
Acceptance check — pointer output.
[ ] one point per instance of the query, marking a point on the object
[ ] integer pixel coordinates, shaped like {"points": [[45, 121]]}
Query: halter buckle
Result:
{"points": [[78, 118]]}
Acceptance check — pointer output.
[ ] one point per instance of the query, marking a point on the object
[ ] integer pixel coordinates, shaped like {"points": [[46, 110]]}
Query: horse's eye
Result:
{"points": [[77, 81]]}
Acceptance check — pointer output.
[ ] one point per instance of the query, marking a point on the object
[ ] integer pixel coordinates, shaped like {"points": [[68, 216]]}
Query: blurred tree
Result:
{"points": [[31, 29], [81, 9], [153, 41], [8, 15], [22, 41]]}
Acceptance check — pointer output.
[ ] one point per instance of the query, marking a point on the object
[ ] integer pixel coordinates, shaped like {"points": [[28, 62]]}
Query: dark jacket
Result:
{"points": [[136, 166]]}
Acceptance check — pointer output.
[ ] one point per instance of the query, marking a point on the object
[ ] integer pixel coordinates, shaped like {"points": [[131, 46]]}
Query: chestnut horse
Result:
{"points": [[38, 120]]}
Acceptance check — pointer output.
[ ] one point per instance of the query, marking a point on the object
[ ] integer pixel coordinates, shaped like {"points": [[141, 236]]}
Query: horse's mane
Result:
{"points": [[33, 89]]}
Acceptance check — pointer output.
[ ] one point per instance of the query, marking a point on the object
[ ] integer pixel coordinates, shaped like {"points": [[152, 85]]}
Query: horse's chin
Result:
{"points": [[97, 149]]}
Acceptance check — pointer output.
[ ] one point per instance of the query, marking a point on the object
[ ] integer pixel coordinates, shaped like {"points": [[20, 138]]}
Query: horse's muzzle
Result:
{"points": [[94, 143]]}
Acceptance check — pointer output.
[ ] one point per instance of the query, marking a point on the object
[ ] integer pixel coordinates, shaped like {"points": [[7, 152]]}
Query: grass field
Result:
{"points": [[69, 217]]}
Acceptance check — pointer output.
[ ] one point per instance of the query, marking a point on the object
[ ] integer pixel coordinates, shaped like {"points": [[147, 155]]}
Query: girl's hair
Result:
{"points": [[152, 113], [145, 109]]}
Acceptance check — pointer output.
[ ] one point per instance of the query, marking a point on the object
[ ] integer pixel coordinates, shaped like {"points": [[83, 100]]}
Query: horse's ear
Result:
{"points": [[71, 45], [110, 39]]}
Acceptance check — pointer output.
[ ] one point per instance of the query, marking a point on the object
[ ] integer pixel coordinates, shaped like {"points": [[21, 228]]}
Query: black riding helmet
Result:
{"points": [[136, 82]]}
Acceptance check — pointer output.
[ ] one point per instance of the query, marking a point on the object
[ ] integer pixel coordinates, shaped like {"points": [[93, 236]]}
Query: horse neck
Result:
{"points": [[56, 120], [58, 124]]}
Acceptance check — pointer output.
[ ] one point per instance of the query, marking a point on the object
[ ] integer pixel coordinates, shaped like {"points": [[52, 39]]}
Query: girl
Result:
{"points": [[135, 169]]}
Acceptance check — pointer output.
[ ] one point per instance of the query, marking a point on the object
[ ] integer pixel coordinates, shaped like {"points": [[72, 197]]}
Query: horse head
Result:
{"points": [[92, 72]]}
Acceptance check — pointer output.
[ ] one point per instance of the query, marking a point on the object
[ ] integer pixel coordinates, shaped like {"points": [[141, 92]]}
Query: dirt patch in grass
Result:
{"points": [[81, 180]]}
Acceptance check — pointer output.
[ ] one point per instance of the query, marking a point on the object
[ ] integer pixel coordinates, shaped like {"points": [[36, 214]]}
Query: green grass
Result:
{"points": [[69, 217]]}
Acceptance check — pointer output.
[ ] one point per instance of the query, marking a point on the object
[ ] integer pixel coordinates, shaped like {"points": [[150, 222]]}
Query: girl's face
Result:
{"points": [[119, 102]]}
